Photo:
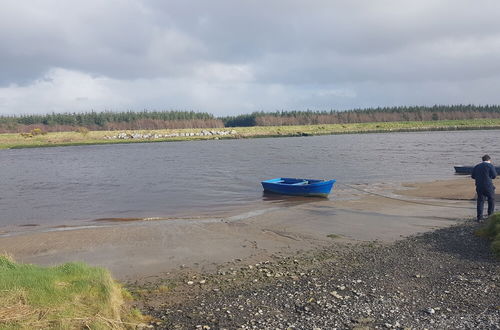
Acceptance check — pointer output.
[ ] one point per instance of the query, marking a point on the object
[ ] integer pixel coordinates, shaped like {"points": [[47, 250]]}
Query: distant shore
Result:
{"points": [[57, 139]]}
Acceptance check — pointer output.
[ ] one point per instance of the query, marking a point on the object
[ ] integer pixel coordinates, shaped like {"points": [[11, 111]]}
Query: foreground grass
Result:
{"points": [[69, 296], [99, 137], [491, 230]]}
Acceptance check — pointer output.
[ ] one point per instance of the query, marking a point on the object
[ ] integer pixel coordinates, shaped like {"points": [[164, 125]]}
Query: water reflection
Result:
{"points": [[271, 197]]}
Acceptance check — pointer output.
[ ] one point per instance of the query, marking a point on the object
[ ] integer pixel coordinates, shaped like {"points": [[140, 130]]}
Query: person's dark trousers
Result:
{"points": [[483, 194]]}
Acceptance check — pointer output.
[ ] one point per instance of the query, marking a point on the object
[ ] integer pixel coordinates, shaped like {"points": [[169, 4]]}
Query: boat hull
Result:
{"points": [[298, 187], [468, 169]]}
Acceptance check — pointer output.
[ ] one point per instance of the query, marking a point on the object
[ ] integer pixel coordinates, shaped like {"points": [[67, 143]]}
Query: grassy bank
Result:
{"points": [[491, 230], [69, 296], [102, 137]]}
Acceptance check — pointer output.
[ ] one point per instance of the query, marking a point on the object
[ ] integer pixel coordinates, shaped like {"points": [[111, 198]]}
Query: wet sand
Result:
{"points": [[136, 250]]}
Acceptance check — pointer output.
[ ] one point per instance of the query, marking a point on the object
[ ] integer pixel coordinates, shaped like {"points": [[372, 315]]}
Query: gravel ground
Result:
{"points": [[445, 279]]}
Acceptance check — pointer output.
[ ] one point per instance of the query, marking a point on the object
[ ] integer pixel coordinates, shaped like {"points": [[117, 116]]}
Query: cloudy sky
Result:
{"points": [[237, 56]]}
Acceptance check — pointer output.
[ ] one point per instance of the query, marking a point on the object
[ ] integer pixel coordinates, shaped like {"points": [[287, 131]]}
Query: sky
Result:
{"points": [[229, 57]]}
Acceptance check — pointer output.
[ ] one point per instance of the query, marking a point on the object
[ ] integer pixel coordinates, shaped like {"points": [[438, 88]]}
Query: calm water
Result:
{"points": [[60, 185]]}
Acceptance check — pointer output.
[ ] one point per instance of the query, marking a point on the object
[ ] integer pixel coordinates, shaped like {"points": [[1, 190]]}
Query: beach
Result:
{"points": [[391, 237], [443, 279], [138, 249]]}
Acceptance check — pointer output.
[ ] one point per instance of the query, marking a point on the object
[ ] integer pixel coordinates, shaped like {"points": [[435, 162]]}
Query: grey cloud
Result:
{"points": [[218, 55], [114, 38]]}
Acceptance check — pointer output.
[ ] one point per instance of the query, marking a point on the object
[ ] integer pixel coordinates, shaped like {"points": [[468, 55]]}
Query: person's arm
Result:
{"points": [[473, 175], [493, 172]]}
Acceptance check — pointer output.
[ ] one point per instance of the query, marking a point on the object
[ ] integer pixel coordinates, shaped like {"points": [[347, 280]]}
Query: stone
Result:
{"points": [[364, 320], [336, 295]]}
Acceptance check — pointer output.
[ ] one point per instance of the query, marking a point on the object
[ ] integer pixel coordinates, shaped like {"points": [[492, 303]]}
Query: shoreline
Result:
{"points": [[443, 279], [61, 139], [137, 249], [391, 256]]}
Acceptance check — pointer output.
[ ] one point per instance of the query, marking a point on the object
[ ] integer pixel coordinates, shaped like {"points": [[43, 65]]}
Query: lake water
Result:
{"points": [[67, 184]]}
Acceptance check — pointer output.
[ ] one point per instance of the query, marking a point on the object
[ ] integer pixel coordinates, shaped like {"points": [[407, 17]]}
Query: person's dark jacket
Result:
{"points": [[483, 173]]}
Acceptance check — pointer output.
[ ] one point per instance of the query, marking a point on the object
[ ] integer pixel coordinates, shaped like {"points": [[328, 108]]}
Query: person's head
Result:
{"points": [[486, 158]]}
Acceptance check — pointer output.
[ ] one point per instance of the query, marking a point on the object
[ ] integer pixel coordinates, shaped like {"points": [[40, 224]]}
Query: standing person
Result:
{"points": [[483, 173]]}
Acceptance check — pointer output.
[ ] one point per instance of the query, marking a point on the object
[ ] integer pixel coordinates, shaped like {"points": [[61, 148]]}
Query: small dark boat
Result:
{"points": [[298, 187], [468, 169]]}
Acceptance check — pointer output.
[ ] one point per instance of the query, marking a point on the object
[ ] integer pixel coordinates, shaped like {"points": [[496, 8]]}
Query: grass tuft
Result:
{"points": [[68, 296], [491, 230]]}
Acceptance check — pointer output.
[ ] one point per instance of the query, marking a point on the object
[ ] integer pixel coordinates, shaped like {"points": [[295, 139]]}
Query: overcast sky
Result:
{"points": [[237, 56]]}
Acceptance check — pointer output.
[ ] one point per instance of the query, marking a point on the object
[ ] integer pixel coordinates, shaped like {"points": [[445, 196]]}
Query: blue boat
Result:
{"points": [[298, 187], [468, 169]]}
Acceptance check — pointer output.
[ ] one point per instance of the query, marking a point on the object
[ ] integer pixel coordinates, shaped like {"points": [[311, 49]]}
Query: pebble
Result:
{"points": [[384, 289], [336, 295]]}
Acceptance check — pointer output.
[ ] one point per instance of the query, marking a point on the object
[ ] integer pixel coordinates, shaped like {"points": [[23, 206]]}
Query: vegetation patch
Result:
{"points": [[491, 230], [69, 296], [82, 137]]}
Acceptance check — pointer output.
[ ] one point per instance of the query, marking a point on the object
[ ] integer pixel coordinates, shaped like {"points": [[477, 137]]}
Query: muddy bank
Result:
{"points": [[347, 262], [133, 250], [461, 188], [445, 279]]}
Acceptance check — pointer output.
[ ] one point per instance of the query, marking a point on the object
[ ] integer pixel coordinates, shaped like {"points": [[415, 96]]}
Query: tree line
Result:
{"points": [[131, 120], [380, 114], [107, 120]]}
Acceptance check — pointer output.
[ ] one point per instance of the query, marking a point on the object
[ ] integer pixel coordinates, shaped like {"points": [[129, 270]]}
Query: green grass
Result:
{"points": [[69, 296], [491, 230], [98, 137]]}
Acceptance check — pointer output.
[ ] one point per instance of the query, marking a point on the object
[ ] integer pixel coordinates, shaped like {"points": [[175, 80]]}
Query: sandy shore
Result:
{"points": [[138, 250]]}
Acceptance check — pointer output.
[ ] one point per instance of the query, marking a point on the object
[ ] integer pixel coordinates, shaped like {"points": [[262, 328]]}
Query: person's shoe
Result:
{"points": [[480, 219]]}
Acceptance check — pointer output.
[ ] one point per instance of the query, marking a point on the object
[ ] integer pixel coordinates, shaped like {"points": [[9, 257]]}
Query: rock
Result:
{"points": [[336, 295], [364, 320]]}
